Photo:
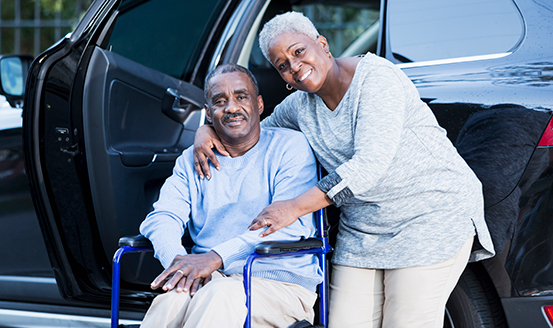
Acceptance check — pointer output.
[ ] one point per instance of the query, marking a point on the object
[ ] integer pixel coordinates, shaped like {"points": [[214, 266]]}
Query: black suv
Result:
{"points": [[109, 108]]}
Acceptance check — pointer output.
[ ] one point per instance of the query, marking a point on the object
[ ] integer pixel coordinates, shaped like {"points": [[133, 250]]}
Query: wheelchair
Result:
{"points": [[316, 245]]}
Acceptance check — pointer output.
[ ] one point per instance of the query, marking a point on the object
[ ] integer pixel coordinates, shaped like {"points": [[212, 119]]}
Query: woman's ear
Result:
{"points": [[323, 42]]}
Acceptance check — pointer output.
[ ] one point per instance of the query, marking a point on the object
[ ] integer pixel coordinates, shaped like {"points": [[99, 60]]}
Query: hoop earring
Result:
{"points": [[289, 87]]}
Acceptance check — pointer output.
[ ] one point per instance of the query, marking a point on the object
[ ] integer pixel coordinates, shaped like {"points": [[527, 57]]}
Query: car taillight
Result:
{"points": [[548, 311], [547, 137]]}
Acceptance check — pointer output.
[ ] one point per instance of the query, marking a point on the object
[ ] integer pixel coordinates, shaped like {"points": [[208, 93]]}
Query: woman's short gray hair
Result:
{"points": [[291, 21]]}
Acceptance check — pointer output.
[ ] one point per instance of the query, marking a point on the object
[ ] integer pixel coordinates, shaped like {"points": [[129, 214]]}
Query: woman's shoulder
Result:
{"points": [[371, 61], [294, 103], [296, 97], [373, 67]]}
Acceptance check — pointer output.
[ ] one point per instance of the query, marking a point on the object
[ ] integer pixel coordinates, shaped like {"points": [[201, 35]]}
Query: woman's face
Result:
{"points": [[301, 61]]}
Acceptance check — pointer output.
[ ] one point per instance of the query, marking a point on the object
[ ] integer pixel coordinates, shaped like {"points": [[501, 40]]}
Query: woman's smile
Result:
{"points": [[304, 76]]}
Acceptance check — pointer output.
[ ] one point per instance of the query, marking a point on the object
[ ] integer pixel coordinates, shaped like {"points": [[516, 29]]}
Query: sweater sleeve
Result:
{"points": [[165, 225], [377, 134], [285, 114], [296, 174]]}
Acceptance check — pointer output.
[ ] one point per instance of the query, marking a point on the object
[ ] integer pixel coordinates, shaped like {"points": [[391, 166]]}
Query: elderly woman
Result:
{"points": [[410, 206]]}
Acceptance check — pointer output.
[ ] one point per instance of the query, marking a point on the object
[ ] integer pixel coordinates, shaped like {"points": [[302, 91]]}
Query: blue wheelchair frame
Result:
{"points": [[318, 245]]}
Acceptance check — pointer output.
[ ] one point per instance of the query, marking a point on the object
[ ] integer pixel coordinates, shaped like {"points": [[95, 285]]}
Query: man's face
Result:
{"points": [[234, 108]]}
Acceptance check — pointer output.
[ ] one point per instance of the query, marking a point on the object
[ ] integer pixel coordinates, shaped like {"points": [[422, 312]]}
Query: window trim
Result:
{"points": [[453, 60], [227, 34]]}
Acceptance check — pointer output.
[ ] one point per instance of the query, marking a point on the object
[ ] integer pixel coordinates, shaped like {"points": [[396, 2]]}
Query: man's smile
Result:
{"points": [[233, 119]]}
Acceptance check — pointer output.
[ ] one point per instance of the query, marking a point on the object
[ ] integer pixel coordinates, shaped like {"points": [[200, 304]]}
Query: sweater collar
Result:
{"points": [[245, 158]]}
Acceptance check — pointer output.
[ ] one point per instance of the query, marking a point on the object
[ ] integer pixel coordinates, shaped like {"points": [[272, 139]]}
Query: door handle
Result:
{"points": [[145, 158], [178, 106]]}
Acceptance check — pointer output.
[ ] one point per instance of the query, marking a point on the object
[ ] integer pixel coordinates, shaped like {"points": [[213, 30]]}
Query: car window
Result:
{"points": [[165, 35], [343, 23], [437, 29], [351, 28]]}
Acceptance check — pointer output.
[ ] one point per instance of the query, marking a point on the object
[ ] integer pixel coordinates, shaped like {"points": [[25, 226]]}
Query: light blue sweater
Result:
{"points": [[218, 211]]}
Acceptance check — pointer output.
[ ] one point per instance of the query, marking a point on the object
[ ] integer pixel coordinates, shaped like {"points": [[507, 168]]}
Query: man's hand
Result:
{"points": [[205, 139], [187, 272]]}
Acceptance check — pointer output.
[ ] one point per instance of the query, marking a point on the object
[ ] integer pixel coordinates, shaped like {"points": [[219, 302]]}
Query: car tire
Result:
{"points": [[474, 302]]}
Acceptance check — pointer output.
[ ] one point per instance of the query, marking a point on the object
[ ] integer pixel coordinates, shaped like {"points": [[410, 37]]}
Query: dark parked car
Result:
{"points": [[109, 108]]}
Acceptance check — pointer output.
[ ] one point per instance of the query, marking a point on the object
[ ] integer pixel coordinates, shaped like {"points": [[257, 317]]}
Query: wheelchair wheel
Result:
{"points": [[474, 303]]}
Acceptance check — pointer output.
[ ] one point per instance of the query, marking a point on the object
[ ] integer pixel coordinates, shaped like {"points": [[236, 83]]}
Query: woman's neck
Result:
{"points": [[337, 81]]}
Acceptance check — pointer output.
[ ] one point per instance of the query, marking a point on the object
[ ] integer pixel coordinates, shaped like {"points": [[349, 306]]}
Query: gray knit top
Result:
{"points": [[406, 196]]}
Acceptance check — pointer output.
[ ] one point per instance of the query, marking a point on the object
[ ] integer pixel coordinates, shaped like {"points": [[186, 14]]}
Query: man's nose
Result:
{"points": [[232, 106]]}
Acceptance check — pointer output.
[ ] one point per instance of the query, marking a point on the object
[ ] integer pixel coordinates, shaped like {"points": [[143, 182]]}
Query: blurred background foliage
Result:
{"points": [[53, 5], [340, 25], [31, 26]]}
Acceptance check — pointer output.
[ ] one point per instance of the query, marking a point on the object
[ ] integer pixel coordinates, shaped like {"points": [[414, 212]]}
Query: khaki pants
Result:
{"points": [[403, 298], [221, 303]]}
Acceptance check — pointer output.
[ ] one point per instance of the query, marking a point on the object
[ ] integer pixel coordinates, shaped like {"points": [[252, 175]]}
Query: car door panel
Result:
{"points": [[108, 112], [131, 146]]}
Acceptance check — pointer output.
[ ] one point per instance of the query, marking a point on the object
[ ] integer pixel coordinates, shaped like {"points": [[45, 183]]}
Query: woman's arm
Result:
{"points": [[377, 136], [379, 124], [295, 193], [204, 140], [281, 214], [285, 114]]}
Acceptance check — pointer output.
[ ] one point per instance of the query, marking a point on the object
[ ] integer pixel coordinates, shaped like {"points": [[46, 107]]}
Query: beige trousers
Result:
{"points": [[404, 298], [221, 303]]}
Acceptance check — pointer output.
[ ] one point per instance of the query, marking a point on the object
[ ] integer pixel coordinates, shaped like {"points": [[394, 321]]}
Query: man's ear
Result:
{"points": [[260, 104], [207, 114], [323, 42]]}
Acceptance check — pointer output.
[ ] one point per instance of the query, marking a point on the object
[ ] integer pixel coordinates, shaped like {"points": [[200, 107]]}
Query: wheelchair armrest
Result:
{"points": [[277, 247], [135, 241]]}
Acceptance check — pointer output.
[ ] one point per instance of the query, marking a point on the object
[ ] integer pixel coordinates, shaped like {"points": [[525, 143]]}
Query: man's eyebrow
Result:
{"points": [[237, 91], [217, 95]]}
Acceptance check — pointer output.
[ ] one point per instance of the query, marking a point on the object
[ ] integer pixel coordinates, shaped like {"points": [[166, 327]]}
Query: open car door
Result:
{"points": [[108, 110]]}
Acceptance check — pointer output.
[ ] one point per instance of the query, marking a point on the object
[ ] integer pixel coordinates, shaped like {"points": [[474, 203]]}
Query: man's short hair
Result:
{"points": [[228, 68]]}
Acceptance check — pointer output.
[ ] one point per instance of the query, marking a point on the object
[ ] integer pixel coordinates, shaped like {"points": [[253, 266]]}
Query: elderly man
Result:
{"points": [[265, 165]]}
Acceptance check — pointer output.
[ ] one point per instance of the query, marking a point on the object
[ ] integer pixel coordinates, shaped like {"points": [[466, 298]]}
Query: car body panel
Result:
{"points": [[501, 106]]}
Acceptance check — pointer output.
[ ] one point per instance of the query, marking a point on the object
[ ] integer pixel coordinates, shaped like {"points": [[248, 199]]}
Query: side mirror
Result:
{"points": [[13, 76]]}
